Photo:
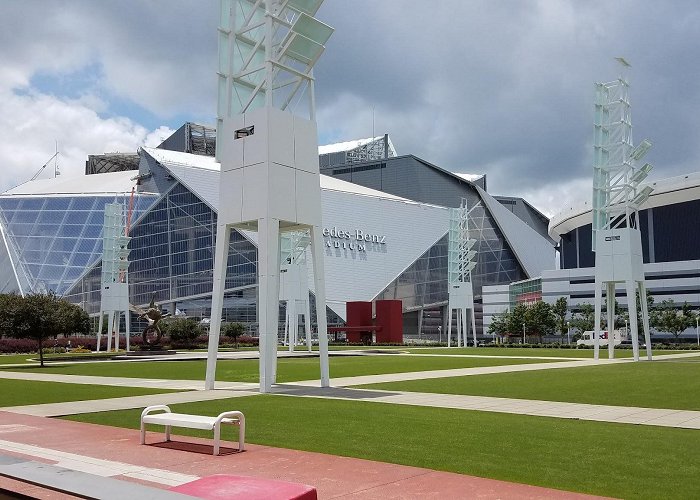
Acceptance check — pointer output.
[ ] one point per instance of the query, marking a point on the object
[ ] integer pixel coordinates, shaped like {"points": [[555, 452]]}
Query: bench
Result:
{"points": [[169, 419]]}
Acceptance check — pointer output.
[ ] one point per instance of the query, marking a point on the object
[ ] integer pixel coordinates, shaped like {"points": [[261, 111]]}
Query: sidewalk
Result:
{"points": [[115, 452]]}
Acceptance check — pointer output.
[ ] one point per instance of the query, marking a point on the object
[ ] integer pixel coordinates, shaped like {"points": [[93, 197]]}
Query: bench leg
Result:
{"points": [[143, 433], [217, 437], [241, 435], [167, 433]]}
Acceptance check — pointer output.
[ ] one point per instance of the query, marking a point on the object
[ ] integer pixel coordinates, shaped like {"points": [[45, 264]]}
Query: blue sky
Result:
{"points": [[503, 88]]}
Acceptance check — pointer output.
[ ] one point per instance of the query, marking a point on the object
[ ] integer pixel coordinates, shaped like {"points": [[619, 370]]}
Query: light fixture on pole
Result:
{"points": [[697, 332], [523, 333], [617, 197], [568, 332]]}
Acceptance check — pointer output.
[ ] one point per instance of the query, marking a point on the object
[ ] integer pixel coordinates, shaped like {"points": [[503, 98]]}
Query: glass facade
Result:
{"points": [[53, 239], [172, 255], [666, 237], [525, 292]]}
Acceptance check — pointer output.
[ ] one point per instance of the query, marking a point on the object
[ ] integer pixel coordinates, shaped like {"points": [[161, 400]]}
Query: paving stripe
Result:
{"points": [[664, 417], [99, 467], [126, 403]]}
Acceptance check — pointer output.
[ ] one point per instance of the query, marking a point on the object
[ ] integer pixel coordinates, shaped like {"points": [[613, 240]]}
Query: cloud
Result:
{"points": [[32, 124], [503, 88]]}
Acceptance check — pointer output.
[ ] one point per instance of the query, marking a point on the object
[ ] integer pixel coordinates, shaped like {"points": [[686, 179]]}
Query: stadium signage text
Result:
{"points": [[351, 240]]}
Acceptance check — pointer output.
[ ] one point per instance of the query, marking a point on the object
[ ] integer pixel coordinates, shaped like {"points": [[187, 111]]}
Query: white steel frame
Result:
{"points": [[294, 286], [461, 261], [115, 282], [616, 201], [267, 147]]}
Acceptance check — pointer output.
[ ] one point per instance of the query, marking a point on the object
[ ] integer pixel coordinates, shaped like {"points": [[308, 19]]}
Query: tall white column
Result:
{"points": [[223, 235], [320, 288]]}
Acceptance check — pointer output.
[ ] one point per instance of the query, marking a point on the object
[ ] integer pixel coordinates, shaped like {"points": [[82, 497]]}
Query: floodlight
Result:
{"points": [[641, 174], [470, 254], [470, 243], [642, 196], [641, 149], [470, 266]]}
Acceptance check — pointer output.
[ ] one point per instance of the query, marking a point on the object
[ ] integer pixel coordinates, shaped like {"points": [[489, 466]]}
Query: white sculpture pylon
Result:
{"points": [[294, 287], [617, 241], [460, 263], [115, 284], [268, 152]]}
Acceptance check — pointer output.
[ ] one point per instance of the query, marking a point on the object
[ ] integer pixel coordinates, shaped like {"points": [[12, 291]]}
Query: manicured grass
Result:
{"points": [[623, 461], [653, 385], [518, 351], [288, 370], [25, 392], [13, 359]]}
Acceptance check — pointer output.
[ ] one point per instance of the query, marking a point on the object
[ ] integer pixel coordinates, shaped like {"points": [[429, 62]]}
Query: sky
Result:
{"points": [[503, 88]]}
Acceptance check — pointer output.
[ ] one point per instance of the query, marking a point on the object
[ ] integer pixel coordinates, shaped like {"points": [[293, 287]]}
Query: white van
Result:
{"points": [[587, 338]]}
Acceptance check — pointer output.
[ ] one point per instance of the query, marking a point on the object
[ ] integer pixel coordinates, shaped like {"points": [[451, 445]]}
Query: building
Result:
{"points": [[379, 244], [668, 221]]}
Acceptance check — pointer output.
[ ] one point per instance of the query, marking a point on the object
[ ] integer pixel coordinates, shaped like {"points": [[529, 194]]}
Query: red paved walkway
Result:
{"points": [[333, 476]]}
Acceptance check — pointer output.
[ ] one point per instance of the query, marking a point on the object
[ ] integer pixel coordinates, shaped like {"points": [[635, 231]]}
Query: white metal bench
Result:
{"points": [[170, 419]]}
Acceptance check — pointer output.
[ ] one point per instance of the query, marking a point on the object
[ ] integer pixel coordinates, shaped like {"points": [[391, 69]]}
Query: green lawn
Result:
{"points": [[25, 392], [658, 384], [518, 351], [13, 359], [288, 370], [623, 461]]}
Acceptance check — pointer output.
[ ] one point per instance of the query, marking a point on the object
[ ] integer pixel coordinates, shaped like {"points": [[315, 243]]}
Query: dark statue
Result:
{"points": [[152, 333]]}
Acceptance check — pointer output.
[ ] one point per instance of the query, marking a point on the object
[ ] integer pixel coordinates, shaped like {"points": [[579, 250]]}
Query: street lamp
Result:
{"points": [[697, 332], [523, 333], [568, 332]]}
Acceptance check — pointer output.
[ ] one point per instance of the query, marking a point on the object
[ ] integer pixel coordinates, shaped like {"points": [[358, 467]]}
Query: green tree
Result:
{"points": [[559, 310], [233, 331], [539, 319], [672, 319], [9, 306], [70, 319], [583, 318], [500, 324], [516, 321], [183, 330], [37, 319]]}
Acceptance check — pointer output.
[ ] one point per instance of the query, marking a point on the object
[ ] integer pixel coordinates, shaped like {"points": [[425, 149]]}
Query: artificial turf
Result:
{"points": [[659, 384], [25, 392], [624, 461], [288, 370]]}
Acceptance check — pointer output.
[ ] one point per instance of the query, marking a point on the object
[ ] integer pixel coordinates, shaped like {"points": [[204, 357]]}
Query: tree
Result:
{"points": [[500, 324], [184, 331], [583, 319], [9, 306], [37, 318], [233, 331], [669, 318], [539, 319], [70, 319], [559, 310]]}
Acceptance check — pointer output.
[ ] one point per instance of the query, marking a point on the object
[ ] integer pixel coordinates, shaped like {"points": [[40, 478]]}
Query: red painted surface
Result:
{"points": [[390, 318], [333, 476], [358, 314], [248, 488]]}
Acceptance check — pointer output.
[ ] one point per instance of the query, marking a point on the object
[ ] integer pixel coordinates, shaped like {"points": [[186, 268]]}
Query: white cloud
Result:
{"points": [[33, 123]]}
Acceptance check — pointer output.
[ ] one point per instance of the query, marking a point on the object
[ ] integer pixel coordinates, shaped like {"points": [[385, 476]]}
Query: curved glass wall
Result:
{"points": [[55, 238]]}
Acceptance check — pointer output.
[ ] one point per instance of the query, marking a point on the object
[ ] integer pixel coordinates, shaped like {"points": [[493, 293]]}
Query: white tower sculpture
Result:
{"points": [[617, 239], [460, 262], [294, 286], [267, 146], [115, 283]]}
